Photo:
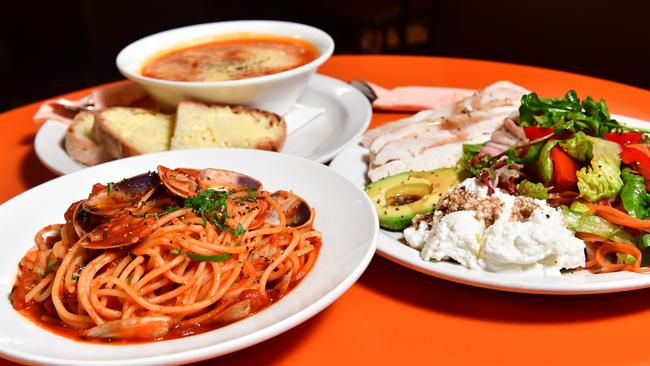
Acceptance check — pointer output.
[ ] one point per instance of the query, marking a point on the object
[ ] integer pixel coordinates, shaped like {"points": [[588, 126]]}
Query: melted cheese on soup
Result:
{"points": [[231, 59]]}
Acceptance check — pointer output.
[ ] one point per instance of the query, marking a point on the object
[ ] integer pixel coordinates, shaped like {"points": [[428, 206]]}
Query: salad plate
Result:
{"points": [[353, 163], [347, 115], [349, 239]]}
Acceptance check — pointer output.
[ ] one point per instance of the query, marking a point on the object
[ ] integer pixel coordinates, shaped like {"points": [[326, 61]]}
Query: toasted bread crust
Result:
{"points": [[270, 144], [109, 139], [80, 148], [113, 145], [274, 119]]}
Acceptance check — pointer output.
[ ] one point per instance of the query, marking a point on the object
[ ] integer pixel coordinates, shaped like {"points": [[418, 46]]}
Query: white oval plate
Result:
{"points": [[352, 163], [347, 115], [344, 215]]}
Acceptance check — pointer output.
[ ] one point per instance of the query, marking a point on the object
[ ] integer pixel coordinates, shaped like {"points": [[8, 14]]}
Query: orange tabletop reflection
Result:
{"points": [[393, 315]]}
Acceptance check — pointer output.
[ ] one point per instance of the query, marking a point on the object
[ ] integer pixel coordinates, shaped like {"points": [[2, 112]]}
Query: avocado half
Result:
{"points": [[399, 197]]}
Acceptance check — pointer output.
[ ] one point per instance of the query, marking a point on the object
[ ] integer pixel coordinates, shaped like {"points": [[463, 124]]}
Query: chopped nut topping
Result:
{"points": [[487, 209], [523, 208], [418, 218]]}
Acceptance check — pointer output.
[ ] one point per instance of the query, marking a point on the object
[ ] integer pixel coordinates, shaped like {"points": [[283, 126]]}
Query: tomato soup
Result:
{"points": [[231, 58]]}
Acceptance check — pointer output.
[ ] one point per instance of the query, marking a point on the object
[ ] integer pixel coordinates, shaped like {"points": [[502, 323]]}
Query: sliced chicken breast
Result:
{"points": [[438, 135]]}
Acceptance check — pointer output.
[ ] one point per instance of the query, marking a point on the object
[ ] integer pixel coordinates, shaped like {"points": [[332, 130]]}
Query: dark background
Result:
{"points": [[52, 47]]}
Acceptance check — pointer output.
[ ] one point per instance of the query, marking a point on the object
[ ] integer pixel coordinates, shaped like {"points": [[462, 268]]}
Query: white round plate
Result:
{"points": [[344, 215], [347, 115], [352, 163]]}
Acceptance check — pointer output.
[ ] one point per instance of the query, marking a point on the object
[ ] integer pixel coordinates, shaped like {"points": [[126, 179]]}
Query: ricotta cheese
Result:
{"points": [[497, 233]]}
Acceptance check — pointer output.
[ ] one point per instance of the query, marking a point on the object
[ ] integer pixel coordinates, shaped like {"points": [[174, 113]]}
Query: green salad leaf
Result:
{"points": [[544, 163], [533, 190], [644, 242], [644, 245], [471, 161], [578, 220], [567, 113], [530, 156], [579, 146], [634, 195], [624, 258], [602, 179]]}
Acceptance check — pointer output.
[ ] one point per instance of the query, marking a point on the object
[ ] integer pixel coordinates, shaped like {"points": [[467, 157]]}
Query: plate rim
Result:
{"points": [[55, 130], [219, 348], [391, 249]]}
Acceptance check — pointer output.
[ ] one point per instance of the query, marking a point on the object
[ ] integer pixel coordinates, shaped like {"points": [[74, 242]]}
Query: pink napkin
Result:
{"points": [[415, 98], [123, 94]]}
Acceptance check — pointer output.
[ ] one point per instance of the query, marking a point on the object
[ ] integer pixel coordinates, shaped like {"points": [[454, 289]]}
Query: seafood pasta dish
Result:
{"points": [[164, 255]]}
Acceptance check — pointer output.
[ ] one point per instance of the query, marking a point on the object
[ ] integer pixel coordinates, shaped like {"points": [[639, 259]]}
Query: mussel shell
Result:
{"points": [[84, 221], [296, 210], [222, 179], [129, 192], [138, 185], [180, 182]]}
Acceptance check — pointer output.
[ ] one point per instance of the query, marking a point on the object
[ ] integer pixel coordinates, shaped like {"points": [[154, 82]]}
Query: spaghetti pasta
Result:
{"points": [[166, 265]]}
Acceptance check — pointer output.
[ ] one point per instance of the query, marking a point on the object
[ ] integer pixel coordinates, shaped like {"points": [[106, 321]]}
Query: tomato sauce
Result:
{"points": [[231, 58]]}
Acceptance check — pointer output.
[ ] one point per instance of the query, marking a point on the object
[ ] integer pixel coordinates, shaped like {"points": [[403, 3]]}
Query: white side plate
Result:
{"points": [[347, 116], [346, 219], [352, 163]]}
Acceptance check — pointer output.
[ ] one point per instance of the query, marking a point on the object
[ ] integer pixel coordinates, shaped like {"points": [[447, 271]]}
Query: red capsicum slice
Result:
{"points": [[534, 132], [564, 170], [624, 138], [638, 155]]}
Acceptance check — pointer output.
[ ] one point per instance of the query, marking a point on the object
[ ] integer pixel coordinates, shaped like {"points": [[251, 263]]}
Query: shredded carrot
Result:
{"points": [[602, 247], [612, 247], [619, 217], [593, 242], [592, 238]]}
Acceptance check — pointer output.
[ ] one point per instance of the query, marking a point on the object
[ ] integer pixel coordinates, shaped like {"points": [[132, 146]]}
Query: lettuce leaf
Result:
{"points": [[471, 161], [634, 195], [603, 178], [579, 146], [533, 190], [579, 221]]}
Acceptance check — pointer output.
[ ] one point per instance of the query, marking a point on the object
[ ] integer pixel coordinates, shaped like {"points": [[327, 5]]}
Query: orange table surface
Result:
{"points": [[393, 315]]}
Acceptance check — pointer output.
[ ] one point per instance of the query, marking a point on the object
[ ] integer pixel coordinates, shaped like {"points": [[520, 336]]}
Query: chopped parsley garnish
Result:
{"points": [[40, 271], [167, 210], [202, 258], [212, 206], [75, 277], [238, 231], [50, 265], [110, 188], [252, 195]]}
